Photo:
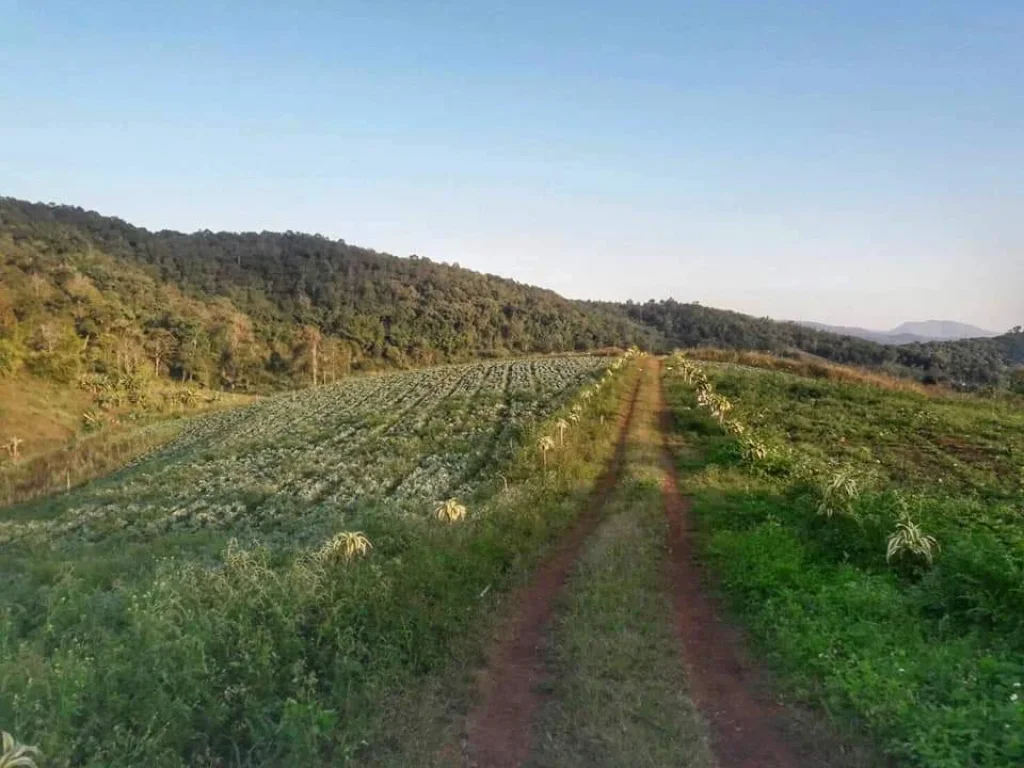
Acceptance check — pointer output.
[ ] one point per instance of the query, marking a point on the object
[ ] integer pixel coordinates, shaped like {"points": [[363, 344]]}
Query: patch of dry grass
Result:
{"points": [[811, 368], [58, 446]]}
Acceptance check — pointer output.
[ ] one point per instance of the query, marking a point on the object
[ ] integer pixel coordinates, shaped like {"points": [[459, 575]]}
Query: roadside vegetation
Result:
{"points": [[871, 538], [151, 620]]}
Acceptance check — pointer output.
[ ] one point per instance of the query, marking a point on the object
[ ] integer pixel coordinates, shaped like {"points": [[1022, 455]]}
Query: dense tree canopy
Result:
{"points": [[84, 292]]}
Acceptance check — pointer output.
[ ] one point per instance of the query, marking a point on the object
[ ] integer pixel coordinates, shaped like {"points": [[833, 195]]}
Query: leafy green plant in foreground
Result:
{"points": [[15, 755], [908, 540], [345, 546], [450, 511], [545, 443], [838, 494]]}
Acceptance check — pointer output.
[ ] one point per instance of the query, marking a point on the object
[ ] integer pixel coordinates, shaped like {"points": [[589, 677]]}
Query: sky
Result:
{"points": [[858, 163]]}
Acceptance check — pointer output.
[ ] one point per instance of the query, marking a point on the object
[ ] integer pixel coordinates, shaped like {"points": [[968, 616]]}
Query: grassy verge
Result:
{"points": [[621, 695], [59, 448], [926, 656], [271, 661], [80, 460]]}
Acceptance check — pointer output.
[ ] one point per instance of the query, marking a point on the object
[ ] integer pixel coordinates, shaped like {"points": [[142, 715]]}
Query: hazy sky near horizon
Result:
{"points": [[858, 163]]}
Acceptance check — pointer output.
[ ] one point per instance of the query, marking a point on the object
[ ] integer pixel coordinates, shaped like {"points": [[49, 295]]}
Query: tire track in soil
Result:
{"points": [[499, 728], [748, 730]]}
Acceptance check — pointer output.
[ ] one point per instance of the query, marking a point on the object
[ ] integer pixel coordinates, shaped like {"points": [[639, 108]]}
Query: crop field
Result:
{"points": [[188, 609], [279, 468], [873, 541]]}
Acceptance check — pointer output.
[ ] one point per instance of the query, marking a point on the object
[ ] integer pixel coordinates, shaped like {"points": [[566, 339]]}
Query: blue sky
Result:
{"points": [[857, 163]]}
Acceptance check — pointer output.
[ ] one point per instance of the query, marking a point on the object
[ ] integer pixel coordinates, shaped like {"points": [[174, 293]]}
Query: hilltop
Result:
{"points": [[943, 330], [909, 332]]}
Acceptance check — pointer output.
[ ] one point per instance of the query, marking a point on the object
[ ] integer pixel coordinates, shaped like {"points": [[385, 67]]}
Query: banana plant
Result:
{"points": [[16, 755], [449, 511]]}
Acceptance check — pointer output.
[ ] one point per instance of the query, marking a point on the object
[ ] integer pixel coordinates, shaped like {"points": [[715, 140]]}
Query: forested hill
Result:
{"points": [[259, 309], [966, 361], [85, 293]]}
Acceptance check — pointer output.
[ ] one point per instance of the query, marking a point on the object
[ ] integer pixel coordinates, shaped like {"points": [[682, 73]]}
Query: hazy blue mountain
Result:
{"points": [[908, 333], [881, 337], [943, 330]]}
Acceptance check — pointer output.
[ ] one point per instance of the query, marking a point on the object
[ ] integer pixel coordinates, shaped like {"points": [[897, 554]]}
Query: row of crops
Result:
{"points": [[402, 440]]}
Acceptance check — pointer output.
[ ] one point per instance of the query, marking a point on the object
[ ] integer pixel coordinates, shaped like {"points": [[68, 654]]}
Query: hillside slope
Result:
{"points": [[88, 292], [82, 293]]}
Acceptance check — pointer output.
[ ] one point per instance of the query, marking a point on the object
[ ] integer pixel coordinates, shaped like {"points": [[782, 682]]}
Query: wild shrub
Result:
{"points": [[753, 450], [977, 583]]}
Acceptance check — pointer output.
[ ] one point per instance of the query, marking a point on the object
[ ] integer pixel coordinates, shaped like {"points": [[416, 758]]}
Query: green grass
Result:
{"points": [[261, 656], [929, 659], [621, 693]]}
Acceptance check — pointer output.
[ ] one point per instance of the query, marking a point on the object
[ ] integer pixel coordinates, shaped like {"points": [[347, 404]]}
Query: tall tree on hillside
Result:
{"points": [[193, 358], [1017, 381], [55, 351], [8, 317], [129, 347], [233, 337], [337, 359], [160, 345], [310, 341]]}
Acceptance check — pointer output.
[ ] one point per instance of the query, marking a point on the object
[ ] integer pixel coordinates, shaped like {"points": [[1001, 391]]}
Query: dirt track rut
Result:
{"points": [[747, 729]]}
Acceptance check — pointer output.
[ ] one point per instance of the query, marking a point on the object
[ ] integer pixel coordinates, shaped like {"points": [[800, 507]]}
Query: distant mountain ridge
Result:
{"points": [[944, 330], [909, 332]]}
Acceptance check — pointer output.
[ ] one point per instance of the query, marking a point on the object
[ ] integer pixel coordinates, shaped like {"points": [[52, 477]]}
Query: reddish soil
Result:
{"points": [[748, 730], [962, 449], [499, 727]]}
